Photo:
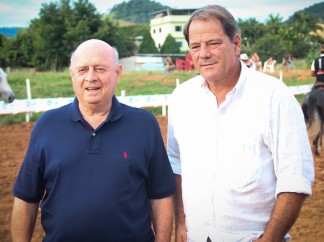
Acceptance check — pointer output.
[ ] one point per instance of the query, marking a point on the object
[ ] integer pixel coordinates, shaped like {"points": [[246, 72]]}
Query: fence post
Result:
{"points": [[29, 97]]}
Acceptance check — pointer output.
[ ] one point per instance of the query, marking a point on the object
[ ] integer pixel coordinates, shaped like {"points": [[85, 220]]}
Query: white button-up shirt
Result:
{"points": [[235, 159]]}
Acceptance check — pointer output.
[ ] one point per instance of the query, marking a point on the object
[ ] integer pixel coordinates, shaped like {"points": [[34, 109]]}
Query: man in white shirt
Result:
{"points": [[237, 143]]}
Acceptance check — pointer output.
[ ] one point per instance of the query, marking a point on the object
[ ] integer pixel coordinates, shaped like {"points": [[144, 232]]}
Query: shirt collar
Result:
{"points": [[114, 114], [243, 74]]}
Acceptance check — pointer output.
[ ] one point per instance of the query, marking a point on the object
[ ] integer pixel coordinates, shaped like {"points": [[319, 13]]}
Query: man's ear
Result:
{"points": [[119, 72], [237, 44]]}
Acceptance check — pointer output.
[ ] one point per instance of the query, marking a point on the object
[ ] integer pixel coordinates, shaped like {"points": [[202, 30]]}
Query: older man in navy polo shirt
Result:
{"points": [[98, 168]]}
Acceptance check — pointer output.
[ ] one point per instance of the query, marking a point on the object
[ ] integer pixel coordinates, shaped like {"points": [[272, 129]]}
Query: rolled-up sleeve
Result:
{"points": [[292, 154]]}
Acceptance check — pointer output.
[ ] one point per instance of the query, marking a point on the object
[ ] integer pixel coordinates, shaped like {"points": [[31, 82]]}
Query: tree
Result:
{"points": [[22, 49], [129, 34], [295, 34], [251, 31], [148, 45], [82, 23], [110, 32], [270, 46], [48, 31], [59, 29], [170, 46], [273, 24], [136, 11], [3, 54]]}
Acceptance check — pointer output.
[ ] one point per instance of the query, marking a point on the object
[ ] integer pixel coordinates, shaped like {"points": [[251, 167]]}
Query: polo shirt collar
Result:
{"points": [[115, 112]]}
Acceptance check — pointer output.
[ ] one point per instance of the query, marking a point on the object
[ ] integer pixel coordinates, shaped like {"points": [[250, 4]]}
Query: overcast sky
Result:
{"points": [[18, 13]]}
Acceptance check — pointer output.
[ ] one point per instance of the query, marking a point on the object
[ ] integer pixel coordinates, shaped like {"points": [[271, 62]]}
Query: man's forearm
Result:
{"points": [[284, 215], [180, 217], [178, 203], [162, 215], [23, 220]]}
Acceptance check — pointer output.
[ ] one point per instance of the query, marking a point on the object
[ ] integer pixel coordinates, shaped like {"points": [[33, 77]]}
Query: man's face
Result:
{"points": [[212, 52], [95, 76]]}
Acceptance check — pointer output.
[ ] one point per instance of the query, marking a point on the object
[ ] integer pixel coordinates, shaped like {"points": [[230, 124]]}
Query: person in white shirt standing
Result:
{"points": [[237, 142]]}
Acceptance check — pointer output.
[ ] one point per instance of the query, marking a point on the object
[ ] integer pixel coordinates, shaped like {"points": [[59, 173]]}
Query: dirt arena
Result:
{"points": [[13, 144]]}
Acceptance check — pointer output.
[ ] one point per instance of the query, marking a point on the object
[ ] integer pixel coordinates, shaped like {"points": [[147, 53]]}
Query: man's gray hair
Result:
{"points": [[214, 12]]}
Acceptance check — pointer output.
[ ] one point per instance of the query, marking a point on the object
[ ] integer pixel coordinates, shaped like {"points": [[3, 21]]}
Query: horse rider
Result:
{"points": [[317, 70]]}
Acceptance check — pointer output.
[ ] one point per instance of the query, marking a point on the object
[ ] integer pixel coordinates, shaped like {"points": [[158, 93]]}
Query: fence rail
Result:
{"points": [[43, 104], [141, 101]]}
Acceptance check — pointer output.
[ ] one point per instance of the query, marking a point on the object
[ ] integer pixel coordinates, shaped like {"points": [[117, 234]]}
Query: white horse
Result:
{"points": [[6, 92]]}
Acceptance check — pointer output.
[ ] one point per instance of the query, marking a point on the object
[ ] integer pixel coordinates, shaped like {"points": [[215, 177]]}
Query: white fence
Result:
{"points": [[43, 104], [140, 101]]}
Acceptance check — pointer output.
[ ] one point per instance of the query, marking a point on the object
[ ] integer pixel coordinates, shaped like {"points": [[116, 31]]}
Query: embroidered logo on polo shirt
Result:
{"points": [[125, 155]]}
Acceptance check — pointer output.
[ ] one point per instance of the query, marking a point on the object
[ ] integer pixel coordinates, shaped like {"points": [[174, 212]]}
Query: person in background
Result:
{"points": [[256, 62], [289, 61], [317, 69], [246, 60], [284, 63], [169, 65], [189, 62], [237, 142], [98, 168], [269, 65]]}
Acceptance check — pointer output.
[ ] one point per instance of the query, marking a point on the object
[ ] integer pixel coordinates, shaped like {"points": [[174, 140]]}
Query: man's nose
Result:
{"points": [[204, 51], [91, 75]]}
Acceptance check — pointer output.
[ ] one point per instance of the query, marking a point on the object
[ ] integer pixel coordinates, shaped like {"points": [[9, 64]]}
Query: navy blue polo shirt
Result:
{"points": [[96, 185]]}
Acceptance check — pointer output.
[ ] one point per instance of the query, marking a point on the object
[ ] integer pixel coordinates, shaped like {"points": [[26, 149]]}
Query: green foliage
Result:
{"points": [[278, 39], [170, 46], [4, 51], [270, 46], [128, 34], [112, 34], [251, 31], [49, 52], [312, 54], [316, 10], [50, 39], [136, 11], [148, 45]]}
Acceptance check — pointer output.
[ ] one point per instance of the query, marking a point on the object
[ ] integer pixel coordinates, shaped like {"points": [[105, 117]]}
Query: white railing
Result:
{"points": [[140, 101], [43, 104]]}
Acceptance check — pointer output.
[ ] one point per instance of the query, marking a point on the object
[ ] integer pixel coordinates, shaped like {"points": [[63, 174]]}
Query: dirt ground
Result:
{"points": [[13, 144], [14, 140]]}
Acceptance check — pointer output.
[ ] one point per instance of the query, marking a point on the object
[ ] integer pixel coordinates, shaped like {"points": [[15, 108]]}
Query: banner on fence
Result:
{"points": [[43, 104]]}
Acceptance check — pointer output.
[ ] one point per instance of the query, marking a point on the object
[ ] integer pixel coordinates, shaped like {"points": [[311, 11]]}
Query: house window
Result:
{"points": [[160, 30], [153, 31], [179, 44], [178, 28]]}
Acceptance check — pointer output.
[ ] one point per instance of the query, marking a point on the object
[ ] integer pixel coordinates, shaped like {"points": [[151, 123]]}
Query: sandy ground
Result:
{"points": [[13, 144]]}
